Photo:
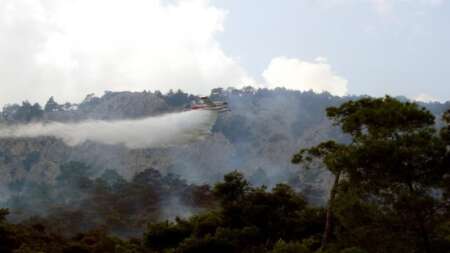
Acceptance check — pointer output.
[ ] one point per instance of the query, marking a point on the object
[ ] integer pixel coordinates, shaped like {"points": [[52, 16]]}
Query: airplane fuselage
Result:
{"points": [[209, 105]]}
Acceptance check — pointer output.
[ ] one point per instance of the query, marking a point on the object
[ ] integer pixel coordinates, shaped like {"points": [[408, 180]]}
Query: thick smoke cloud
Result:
{"points": [[68, 49], [162, 131]]}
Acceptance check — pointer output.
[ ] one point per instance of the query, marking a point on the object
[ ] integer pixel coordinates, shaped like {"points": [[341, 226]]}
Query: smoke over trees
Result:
{"points": [[391, 195]]}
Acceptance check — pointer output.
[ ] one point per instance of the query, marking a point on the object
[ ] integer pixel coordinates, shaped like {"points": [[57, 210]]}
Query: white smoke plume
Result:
{"points": [[161, 131], [67, 49]]}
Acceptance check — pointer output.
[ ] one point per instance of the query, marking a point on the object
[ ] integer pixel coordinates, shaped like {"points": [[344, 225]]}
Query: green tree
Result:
{"points": [[293, 247], [28, 112], [331, 153], [167, 234], [3, 213], [395, 162], [51, 105], [248, 219]]}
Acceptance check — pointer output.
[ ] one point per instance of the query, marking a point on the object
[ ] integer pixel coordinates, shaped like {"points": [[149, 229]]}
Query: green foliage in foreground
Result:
{"points": [[391, 194], [249, 220], [254, 220]]}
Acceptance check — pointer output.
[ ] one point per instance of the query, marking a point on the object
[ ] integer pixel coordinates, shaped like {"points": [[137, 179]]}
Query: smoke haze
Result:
{"points": [[161, 131], [48, 50]]}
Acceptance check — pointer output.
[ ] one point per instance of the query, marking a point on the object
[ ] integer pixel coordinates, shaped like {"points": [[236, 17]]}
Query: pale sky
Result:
{"points": [[397, 47], [68, 48]]}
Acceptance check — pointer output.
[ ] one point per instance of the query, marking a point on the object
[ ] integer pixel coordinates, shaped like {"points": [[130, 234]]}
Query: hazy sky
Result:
{"points": [[399, 47], [68, 48]]}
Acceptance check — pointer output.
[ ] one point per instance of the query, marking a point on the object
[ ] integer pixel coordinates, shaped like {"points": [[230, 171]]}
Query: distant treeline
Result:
{"points": [[109, 106], [145, 104]]}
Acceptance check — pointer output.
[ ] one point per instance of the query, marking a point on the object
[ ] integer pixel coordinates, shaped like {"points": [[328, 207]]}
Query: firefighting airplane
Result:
{"points": [[206, 104]]}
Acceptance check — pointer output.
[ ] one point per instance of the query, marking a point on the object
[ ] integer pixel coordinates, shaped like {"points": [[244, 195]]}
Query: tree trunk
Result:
{"points": [[422, 231], [328, 225], [425, 237]]}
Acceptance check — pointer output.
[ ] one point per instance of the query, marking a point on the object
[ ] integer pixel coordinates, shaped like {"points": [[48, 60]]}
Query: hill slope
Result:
{"points": [[258, 137]]}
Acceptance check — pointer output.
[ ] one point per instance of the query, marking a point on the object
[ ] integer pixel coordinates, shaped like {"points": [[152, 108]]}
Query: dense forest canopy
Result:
{"points": [[388, 162]]}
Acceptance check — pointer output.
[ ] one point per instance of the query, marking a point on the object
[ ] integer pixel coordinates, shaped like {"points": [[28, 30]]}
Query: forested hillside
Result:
{"points": [[258, 136], [95, 197]]}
